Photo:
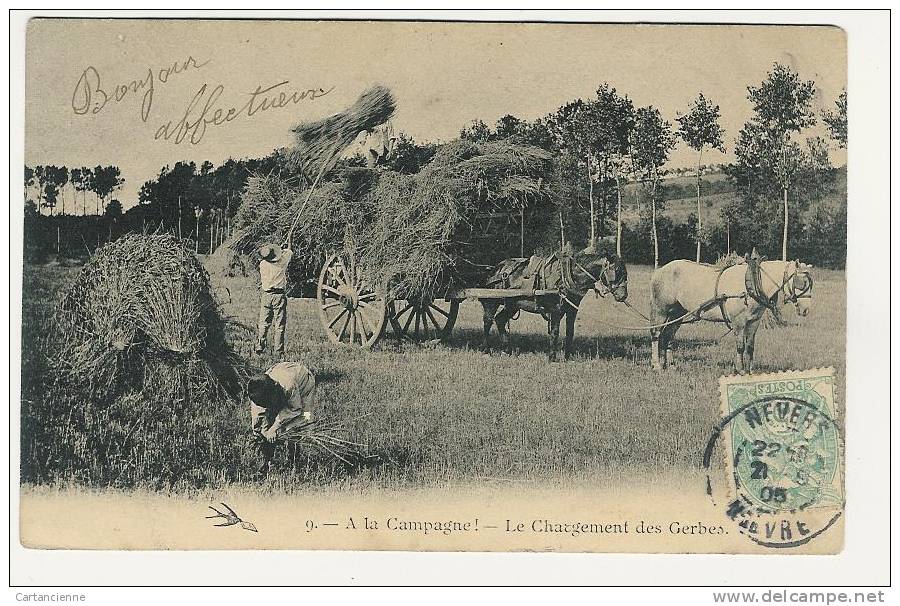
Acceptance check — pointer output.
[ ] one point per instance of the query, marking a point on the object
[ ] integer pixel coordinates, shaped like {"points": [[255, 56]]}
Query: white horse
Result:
{"points": [[738, 296]]}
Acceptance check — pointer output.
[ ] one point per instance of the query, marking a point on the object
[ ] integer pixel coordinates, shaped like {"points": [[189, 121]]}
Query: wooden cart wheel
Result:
{"points": [[351, 311], [421, 321]]}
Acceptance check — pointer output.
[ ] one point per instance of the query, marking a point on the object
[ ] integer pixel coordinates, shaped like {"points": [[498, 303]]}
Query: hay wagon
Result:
{"points": [[353, 310], [403, 250]]}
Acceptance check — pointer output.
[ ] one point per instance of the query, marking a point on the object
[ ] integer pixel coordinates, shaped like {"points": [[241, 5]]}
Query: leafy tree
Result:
{"points": [[60, 177], [837, 120], [783, 105], [407, 156], [113, 209], [699, 129], [614, 115], [539, 134], [477, 132], [76, 179], [106, 180], [87, 185], [51, 193], [651, 141], [509, 126], [574, 126]]}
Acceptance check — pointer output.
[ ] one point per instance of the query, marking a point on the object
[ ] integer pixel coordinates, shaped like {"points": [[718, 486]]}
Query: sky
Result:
{"points": [[88, 97]]}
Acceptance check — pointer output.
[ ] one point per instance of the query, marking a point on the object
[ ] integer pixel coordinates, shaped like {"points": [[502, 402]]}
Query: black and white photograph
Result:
{"points": [[435, 285]]}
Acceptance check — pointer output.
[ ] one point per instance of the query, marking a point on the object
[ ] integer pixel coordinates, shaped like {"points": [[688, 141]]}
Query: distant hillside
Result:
{"points": [[678, 207]]}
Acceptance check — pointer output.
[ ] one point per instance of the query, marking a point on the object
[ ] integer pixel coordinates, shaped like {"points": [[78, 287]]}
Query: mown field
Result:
{"points": [[446, 414]]}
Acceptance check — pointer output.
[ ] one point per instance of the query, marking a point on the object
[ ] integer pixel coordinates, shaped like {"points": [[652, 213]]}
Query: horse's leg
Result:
{"points": [[669, 336], [654, 350], [489, 308], [555, 317], [750, 343], [570, 331], [502, 319], [740, 337], [658, 315], [660, 338]]}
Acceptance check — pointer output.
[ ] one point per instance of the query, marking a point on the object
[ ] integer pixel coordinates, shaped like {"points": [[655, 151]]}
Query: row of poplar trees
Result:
{"points": [[613, 142]]}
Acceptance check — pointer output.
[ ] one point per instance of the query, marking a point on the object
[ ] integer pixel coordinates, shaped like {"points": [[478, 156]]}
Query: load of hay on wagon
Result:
{"points": [[417, 233]]}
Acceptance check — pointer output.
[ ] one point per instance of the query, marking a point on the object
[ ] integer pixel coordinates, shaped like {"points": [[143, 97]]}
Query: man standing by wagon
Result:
{"points": [[273, 297]]}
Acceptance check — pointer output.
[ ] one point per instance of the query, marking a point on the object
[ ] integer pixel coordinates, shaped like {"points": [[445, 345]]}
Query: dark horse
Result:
{"points": [[570, 275]]}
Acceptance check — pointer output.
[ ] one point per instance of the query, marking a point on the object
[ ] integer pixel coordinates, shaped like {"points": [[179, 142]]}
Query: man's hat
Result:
{"points": [[269, 252]]}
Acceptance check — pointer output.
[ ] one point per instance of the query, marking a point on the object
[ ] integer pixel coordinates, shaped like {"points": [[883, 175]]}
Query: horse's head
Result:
{"points": [[798, 287], [607, 273]]}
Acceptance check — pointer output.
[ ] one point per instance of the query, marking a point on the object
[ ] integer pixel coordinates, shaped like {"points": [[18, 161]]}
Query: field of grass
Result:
{"points": [[450, 414]]}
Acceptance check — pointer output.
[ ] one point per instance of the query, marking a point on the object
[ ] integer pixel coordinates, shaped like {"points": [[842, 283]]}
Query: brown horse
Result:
{"points": [[571, 275], [738, 296]]}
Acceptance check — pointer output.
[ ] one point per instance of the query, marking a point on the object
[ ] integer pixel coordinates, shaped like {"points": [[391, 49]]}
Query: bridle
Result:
{"points": [[792, 295], [609, 288], [805, 292]]}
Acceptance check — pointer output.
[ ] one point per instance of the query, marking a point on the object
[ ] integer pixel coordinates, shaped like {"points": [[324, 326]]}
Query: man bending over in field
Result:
{"points": [[281, 398], [272, 300]]}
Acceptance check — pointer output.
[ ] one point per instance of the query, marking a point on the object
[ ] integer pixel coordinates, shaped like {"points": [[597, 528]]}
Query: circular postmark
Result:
{"points": [[783, 460]]}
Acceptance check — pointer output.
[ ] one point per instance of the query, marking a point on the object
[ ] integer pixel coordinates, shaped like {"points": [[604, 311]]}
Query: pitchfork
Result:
{"points": [[231, 518]]}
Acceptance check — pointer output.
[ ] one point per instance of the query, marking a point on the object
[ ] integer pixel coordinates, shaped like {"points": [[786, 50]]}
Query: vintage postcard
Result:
{"points": [[434, 286]]}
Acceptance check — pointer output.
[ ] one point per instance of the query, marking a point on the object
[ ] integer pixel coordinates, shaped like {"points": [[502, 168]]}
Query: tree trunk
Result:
{"points": [[727, 237], [179, 217], [785, 190], [653, 220], [591, 197], [785, 233], [699, 215], [562, 231], [618, 216]]}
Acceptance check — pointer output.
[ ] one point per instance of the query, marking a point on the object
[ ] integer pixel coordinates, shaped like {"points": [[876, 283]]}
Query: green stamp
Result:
{"points": [[783, 454]]}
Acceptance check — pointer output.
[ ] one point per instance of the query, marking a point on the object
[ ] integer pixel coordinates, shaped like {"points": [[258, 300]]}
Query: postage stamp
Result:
{"points": [[783, 455]]}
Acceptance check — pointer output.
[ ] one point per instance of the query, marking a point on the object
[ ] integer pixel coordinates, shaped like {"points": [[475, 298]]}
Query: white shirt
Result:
{"points": [[299, 387], [273, 275]]}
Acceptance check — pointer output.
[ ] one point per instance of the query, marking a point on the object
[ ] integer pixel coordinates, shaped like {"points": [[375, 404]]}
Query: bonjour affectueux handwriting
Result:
{"points": [[91, 96], [204, 109]]}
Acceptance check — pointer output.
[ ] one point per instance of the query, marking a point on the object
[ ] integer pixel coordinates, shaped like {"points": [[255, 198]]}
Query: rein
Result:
{"points": [[721, 299]]}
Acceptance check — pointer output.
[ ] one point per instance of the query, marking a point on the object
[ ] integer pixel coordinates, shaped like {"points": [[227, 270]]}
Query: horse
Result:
{"points": [[738, 295], [571, 275]]}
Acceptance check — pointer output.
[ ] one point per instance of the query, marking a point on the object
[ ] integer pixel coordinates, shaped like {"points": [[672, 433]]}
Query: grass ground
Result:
{"points": [[452, 414]]}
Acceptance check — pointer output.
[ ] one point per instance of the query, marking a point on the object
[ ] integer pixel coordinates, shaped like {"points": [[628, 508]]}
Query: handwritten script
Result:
{"points": [[205, 108], [91, 96]]}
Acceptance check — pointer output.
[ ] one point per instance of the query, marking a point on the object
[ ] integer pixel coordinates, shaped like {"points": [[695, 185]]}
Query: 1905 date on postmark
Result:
{"points": [[784, 459]]}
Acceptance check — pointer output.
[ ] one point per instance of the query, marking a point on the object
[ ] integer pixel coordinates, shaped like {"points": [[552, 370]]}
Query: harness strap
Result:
{"points": [[720, 299], [753, 280]]}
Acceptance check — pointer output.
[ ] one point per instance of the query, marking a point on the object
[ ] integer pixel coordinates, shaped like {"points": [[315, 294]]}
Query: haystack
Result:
{"points": [[412, 233], [141, 320]]}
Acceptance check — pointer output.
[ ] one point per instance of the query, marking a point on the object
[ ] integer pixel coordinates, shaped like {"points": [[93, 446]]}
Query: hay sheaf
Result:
{"points": [[141, 319], [412, 234], [319, 143]]}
